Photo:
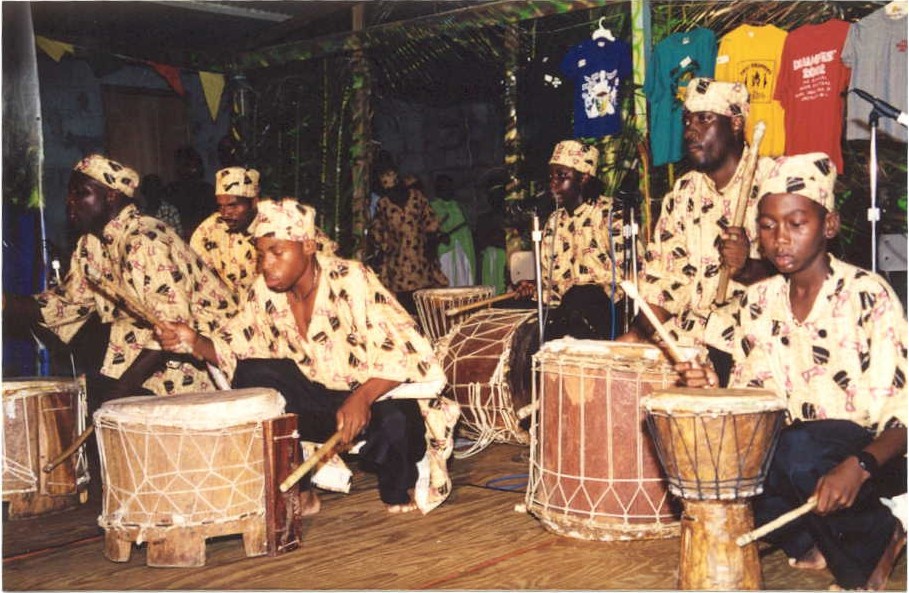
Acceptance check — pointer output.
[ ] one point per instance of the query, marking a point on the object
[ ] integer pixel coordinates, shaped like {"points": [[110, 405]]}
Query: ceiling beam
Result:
{"points": [[226, 9]]}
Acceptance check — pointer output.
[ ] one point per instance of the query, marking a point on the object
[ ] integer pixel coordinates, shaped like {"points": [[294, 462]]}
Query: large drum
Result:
{"points": [[177, 470], [433, 305], [42, 417], [594, 473], [715, 446], [487, 362]]}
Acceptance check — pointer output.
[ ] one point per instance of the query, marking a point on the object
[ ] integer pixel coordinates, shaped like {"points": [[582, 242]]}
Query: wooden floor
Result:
{"points": [[476, 540]]}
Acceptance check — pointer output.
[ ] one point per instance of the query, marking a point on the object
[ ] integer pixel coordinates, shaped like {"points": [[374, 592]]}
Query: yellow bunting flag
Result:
{"points": [[213, 86], [55, 49]]}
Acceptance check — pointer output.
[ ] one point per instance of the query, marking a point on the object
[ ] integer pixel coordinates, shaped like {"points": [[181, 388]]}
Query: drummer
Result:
{"points": [[325, 333], [140, 257], [831, 339], [693, 238], [582, 252]]}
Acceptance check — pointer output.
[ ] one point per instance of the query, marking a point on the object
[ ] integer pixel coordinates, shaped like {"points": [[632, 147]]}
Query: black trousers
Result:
{"points": [[851, 540], [395, 437]]}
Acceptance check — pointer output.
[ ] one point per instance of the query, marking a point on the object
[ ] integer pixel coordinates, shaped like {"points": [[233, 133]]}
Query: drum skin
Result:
{"points": [[594, 471]]}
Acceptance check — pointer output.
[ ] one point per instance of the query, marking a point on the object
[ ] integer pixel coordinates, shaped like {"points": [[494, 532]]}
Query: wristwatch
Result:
{"points": [[867, 462]]}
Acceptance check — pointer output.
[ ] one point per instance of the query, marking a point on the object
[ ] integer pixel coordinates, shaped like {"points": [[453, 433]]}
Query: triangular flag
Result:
{"points": [[172, 75], [213, 87], [55, 49]]}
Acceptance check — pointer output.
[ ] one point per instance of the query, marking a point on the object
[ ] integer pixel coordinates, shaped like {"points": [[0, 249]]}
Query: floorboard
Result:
{"points": [[476, 540]]}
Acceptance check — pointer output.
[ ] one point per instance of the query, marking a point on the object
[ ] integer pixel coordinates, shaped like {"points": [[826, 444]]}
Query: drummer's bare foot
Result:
{"points": [[309, 503], [397, 509], [810, 560]]}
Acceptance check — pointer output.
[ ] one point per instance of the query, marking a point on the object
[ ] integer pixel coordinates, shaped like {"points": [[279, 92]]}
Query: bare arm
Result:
{"points": [[354, 414]]}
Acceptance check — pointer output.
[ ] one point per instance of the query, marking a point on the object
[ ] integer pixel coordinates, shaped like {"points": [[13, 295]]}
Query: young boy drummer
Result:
{"points": [[831, 339], [325, 333]]}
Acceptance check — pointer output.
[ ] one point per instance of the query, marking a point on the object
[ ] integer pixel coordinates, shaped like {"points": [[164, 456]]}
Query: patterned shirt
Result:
{"points": [[146, 259], [400, 232], [682, 262], [846, 360], [584, 247], [233, 255], [357, 331]]}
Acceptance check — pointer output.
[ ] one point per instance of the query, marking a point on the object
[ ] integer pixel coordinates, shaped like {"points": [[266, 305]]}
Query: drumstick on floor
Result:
{"points": [[780, 521], [313, 459], [632, 291]]}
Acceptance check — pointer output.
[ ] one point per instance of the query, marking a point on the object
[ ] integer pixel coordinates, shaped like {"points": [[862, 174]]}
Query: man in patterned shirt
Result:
{"points": [[122, 252], [582, 252], [693, 238], [346, 356], [830, 338]]}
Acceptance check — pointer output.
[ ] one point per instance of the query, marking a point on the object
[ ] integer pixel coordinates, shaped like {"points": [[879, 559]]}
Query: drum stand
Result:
{"points": [[537, 237], [710, 560]]}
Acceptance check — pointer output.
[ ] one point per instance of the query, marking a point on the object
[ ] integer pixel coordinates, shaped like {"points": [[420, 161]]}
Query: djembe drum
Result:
{"points": [[715, 446], [433, 304], [594, 473], [178, 470], [42, 417], [486, 359]]}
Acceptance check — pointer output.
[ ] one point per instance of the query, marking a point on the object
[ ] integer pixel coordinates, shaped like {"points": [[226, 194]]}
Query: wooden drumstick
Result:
{"points": [[307, 465], [738, 217], [80, 440], [780, 521], [477, 304], [632, 291]]}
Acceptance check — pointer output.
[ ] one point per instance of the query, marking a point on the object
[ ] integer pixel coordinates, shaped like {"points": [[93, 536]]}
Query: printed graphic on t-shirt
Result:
{"points": [[600, 92], [813, 82], [758, 77]]}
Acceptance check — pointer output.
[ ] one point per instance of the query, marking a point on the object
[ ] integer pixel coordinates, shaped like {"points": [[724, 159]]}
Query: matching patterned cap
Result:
{"points": [[726, 98], [285, 219], [812, 175], [578, 156], [109, 172], [237, 181]]}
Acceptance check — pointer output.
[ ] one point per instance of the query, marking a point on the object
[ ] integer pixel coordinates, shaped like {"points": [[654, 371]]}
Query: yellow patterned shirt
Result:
{"points": [[846, 360], [147, 260], [682, 262], [584, 247], [358, 331]]}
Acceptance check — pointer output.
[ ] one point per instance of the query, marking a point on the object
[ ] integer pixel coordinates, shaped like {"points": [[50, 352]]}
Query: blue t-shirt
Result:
{"points": [[675, 61], [597, 67]]}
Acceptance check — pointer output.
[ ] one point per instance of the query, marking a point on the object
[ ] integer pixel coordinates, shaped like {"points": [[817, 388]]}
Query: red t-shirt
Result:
{"points": [[812, 80]]}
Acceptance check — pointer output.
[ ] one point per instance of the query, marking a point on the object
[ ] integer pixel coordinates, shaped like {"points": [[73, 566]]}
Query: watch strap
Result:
{"points": [[868, 462]]}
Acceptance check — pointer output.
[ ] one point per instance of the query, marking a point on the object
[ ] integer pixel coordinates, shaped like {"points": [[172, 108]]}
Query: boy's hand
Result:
{"points": [[734, 249], [176, 337], [693, 375], [838, 488]]}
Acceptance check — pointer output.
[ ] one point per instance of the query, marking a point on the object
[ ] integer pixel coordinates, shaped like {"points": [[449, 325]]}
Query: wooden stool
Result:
{"points": [[179, 470]]}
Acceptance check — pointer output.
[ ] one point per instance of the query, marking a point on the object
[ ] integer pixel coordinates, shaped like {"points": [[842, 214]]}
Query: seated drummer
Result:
{"points": [[141, 258], [582, 252], [831, 339], [325, 333]]}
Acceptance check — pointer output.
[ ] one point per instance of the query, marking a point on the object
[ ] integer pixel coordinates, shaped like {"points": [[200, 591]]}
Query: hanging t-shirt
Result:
{"points": [[809, 88], [675, 61], [876, 51], [751, 55], [597, 68]]}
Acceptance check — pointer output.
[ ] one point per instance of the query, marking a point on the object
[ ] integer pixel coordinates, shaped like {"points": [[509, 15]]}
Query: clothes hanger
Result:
{"points": [[897, 9], [602, 32]]}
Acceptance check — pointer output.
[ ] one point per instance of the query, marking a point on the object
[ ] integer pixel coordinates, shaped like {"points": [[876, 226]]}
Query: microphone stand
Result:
{"points": [[537, 237], [874, 213]]}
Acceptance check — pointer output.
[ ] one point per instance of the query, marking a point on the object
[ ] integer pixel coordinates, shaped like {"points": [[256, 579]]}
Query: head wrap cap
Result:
{"points": [[577, 155], [109, 172], [285, 219], [237, 181], [725, 98], [812, 175]]}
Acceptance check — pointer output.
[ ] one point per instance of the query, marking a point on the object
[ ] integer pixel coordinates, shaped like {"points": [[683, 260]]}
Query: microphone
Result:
{"points": [[884, 108]]}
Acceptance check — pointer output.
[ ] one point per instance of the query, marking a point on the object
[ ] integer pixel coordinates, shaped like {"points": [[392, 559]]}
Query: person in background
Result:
{"points": [[693, 238], [582, 252], [399, 232], [120, 251], [190, 193], [490, 238], [830, 339], [454, 239], [156, 206], [344, 354]]}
